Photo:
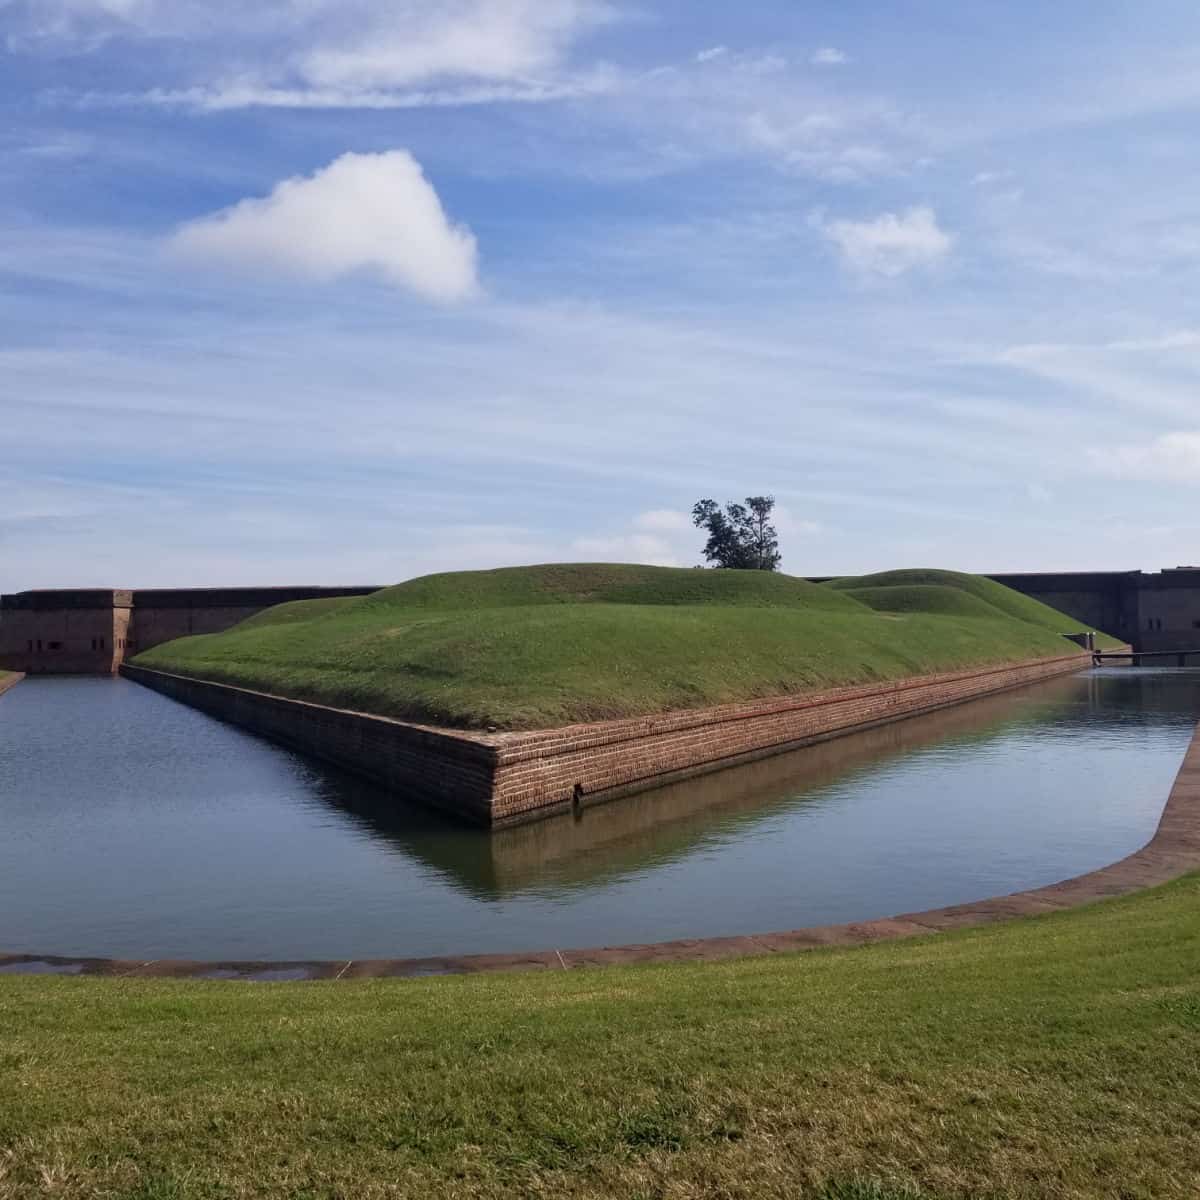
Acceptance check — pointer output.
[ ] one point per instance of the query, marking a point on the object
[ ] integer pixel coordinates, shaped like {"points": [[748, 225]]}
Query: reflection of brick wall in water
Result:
{"points": [[90, 631], [495, 779], [536, 769]]}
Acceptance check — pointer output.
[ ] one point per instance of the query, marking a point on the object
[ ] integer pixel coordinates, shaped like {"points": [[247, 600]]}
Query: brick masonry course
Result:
{"points": [[1174, 850], [498, 779]]}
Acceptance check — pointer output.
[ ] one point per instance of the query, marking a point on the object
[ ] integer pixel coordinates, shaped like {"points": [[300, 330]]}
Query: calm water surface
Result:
{"points": [[133, 826]]}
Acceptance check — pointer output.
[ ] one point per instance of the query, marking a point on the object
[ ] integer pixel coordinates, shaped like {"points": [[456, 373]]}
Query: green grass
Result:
{"points": [[922, 598], [929, 590], [1054, 1057], [540, 646]]}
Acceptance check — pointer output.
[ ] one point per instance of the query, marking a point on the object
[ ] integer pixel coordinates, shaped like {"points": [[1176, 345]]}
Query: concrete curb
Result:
{"points": [[1172, 851]]}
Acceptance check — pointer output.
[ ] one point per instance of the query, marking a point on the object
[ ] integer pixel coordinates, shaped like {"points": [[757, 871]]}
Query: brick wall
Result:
{"points": [[500, 779], [89, 631], [68, 632], [448, 770], [602, 761]]}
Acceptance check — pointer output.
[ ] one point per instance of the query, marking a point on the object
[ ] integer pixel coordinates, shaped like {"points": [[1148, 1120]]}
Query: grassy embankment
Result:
{"points": [[1056, 1057], [526, 647]]}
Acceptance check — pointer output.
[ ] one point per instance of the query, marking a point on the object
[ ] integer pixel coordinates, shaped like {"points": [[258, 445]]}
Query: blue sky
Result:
{"points": [[332, 291]]}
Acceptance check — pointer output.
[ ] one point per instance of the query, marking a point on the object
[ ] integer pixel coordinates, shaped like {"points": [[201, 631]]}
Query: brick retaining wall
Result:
{"points": [[501, 779], [443, 768]]}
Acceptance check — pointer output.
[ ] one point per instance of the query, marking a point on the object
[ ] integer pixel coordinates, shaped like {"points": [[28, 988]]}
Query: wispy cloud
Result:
{"points": [[1157, 373], [1170, 456], [829, 56], [398, 44], [641, 340], [331, 53], [891, 243], [663, 520], [363, 212], [628, 547]]}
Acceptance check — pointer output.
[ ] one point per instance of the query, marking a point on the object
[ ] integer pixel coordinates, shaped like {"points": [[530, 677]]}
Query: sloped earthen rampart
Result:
{"points": [[502, 778]]}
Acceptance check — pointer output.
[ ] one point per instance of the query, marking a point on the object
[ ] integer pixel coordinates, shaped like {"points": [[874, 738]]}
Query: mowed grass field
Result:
{"points": [[1053, 1057], [529, 647]]}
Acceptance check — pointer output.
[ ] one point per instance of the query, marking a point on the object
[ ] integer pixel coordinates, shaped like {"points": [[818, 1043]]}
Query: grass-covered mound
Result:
{"points": [[928, 590], [1056, 1058], [526, 647]]}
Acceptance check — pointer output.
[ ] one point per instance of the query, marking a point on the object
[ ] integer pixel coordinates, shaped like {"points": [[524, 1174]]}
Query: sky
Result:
{"points": [[348, 291]]}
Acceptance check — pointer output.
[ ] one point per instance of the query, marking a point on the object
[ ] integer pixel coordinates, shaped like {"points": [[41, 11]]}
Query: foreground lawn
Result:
{"points": [[529, 647], [1058, 1057]]}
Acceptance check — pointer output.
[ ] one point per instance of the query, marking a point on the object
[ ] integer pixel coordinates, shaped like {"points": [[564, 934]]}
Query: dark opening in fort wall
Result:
{"points": [[501, 779]]}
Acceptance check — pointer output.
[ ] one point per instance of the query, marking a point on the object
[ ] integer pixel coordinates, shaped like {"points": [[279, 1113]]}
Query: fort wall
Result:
{"points": [[90, 631], [1149, 610], [506, 778], [76, 632]]}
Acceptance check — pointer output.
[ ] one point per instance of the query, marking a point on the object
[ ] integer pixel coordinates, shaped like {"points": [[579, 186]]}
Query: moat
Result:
{"points": [[135, 827]]}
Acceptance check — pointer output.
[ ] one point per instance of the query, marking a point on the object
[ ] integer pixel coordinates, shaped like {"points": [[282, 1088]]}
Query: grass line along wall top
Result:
{"points": [[499, 778]]}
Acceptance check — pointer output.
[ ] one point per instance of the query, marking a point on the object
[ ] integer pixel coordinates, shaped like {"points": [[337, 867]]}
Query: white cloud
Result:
{"points": [[374, 213], [71, 25], [790, 525], [476, 39], [823, 143], [1155, 373], [828, 56], [251, 93], [984, 178], [1182, 339], [663, 520], [662, 537], [634, 547], [712, 52], [327, 53], [1171, 457], [666, 537], [891, 243]]}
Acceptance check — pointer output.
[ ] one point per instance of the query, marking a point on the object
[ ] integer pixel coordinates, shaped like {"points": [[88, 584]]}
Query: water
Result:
{"points": [[133, 826]]}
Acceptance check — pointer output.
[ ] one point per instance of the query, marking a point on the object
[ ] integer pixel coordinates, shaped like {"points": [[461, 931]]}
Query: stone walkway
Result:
{"points": [[1173, 851]]}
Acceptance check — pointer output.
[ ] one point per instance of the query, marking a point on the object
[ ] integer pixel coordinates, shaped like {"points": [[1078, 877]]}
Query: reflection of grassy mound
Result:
{"points": [[535, 646]]}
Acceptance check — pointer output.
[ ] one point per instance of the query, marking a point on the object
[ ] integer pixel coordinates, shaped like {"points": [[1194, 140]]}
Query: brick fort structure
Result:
{"points": [[91, 631]]}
